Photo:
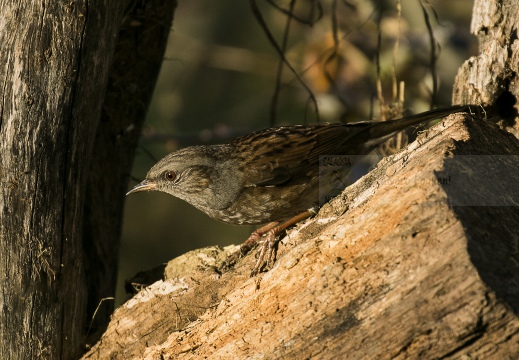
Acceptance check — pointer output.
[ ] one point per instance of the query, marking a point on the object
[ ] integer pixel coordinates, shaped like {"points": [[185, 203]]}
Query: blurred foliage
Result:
{"points": [[219, 77]]}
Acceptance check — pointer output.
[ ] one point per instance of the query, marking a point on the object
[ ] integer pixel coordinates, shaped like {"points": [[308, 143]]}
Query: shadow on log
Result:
{"points": [[392, 268]]}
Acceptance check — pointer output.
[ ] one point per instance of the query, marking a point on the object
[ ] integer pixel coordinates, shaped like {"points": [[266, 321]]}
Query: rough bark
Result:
{"points": [[492, 77], [55, 63], [55, 59], [138, 57], [387, 270]]}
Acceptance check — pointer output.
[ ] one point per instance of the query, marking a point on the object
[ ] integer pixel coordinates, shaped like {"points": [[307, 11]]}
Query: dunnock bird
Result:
{"points": [[269, 176]]}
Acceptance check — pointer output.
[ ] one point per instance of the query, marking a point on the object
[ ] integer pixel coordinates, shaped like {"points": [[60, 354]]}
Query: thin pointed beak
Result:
{"points": [[142, 186]]}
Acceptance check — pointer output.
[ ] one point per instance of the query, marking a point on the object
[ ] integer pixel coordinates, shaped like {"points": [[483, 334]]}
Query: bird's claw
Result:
{"points": [[268, 247]]}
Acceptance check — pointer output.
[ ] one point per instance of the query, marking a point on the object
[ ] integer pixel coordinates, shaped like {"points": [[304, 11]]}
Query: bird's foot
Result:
{"points": [[267, 253]]}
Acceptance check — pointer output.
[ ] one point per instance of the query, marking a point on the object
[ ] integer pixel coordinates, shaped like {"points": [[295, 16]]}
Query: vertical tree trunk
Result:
{"points": [[54, 68], [55, 58], [491, 77], [138, 57]]}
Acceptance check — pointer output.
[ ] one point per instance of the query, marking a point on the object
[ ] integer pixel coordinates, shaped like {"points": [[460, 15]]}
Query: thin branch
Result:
{"points": [[395, 51], [259, 17], [433, 54], [334, 55], [291, 14], [377, 64], [277, 90]]}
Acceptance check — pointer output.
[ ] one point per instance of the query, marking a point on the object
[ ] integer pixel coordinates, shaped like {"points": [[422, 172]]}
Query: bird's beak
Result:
{"points": [[142, 186]]}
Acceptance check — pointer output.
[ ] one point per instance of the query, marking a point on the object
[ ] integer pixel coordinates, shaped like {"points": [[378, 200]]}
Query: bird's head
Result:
{"points": [[185, 174]]}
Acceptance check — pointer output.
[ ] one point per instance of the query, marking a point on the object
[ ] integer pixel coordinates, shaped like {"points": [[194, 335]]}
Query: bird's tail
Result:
{"points": [[384, 129]]}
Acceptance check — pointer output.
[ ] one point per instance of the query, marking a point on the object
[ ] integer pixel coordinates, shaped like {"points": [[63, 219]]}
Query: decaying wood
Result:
{"points": [[386, 270], [492, 77]]}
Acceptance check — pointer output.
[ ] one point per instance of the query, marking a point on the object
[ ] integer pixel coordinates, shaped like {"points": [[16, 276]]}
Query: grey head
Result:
{"points": [[196, 175]]}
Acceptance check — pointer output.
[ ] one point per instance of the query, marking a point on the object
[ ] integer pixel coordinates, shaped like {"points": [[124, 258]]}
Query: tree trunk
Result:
{"points": [[138, 57], [418, 259], [55, 59], [492, 77]]}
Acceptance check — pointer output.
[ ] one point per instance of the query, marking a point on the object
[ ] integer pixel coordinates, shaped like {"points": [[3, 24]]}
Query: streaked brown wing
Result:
{"points": [[281, 153]]}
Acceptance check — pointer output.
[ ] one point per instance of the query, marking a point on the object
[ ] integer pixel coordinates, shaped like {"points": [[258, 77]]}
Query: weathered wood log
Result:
{"points": [[417, 260], [389, 269]]}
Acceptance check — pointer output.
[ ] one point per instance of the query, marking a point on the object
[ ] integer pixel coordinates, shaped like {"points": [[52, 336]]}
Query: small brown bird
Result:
{"points": [[270, 175]]}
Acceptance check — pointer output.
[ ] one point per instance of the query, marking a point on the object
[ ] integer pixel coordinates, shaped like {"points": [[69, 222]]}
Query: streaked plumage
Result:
{"points": [[269, 175]]}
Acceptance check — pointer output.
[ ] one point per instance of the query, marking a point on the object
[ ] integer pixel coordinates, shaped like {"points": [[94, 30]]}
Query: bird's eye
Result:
{"points": [[169, 175]]}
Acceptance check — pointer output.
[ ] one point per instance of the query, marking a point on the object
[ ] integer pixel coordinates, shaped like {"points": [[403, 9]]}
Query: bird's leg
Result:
{"points": [[270, 242], [254, 238], [248, 244]]}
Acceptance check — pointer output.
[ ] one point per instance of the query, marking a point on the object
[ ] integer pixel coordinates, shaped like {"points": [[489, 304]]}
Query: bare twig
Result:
{"points": [[259, 17]]}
